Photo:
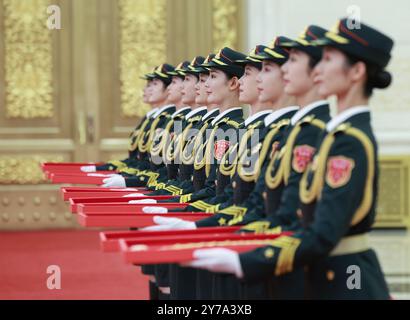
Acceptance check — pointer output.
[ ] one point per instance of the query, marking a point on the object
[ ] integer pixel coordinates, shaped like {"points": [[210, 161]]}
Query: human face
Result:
{"points": [[331, 74], [201, 97], [248, 92], [297, 75], [157, 92], [217, 87], [188, 90], [175, 90], [270, 82], [145, 92]]}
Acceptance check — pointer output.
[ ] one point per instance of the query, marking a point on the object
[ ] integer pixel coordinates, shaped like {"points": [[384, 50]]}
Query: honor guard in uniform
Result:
{"points": [[248, 94], [162, 276], [133, 143], [292, 155], [158, 120], [179, 175], [223, 89], [338, 191], [295, 151], [162, 169], [158, 95], [254, 159]]}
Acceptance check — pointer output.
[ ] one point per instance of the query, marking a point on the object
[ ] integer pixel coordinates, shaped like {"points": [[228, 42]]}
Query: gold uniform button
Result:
{"points": [[269, 253], [330, 275], [264, 195], [299, 213], [234, 184]]}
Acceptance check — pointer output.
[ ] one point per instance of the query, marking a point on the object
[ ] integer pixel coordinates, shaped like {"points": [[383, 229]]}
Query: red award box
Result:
{"points": [[181, 250], [133, 220], [109, 240]]}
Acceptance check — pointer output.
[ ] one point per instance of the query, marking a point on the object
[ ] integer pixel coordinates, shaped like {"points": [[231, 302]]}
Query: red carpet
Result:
{"points": [[86, 272]]}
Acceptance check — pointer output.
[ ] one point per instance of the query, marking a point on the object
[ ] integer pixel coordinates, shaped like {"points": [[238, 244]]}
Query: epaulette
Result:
{"points": [[255, 125], [194, 119], [281, 123], [313, 121], [342, 128], [233, 123]]}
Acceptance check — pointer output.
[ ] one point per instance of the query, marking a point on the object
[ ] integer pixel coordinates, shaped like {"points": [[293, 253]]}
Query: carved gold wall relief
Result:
{"points": [[28, 59], [143, 45], [393, 205], [24, 169], [225, 24]]}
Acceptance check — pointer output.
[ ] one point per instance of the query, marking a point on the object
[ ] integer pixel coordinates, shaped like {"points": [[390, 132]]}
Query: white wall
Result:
{"points": [[391, 116]]}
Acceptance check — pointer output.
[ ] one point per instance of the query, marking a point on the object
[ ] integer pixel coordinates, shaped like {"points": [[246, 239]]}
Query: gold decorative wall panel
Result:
{"points": [[226, 24], [24, 169], [28, 59], [393, 206], [142, 46]]}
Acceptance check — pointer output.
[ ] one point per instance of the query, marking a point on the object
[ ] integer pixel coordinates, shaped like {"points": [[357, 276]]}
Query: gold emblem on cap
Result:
{"points": [[334, 34], [269, 253]]}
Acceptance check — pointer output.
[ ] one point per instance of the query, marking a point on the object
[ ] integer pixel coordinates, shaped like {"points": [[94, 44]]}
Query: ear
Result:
{"points": [[233, 83], [358, 71]]}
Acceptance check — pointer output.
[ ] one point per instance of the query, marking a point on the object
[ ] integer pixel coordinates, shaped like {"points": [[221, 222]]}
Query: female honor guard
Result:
{"points": [[338, 191], [134, 136]]}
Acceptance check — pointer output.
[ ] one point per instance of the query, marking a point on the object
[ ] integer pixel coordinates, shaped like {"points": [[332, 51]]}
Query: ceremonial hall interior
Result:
{"points": [[71, 83]]}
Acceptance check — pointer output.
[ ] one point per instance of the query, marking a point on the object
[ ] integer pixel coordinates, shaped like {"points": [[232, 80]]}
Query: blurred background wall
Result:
{"points": [[74, 94]]}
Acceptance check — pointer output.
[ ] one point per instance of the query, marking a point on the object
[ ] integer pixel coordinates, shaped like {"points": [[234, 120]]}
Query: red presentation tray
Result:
{"points": [[69, 189], [98, 195], [76, 179], [67, 164], [181, 250], [73, 172], [92, 202], [113, 208], [133, 220], [75, 202], [109, 240], [50, 166], [87, 189]]}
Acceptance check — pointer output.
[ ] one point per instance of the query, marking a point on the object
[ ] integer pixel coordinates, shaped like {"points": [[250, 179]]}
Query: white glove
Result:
{"points": [[133, 195], [88, 169], [114, 181], [217, 260], [101, 175], [154, 210], [164, 223], [142, 201]]}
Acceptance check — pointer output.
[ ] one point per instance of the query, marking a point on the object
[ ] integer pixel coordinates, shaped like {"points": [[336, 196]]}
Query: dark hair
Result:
{"points": [[165, 82], [376, 76], [228, 74], [313, 62]]}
